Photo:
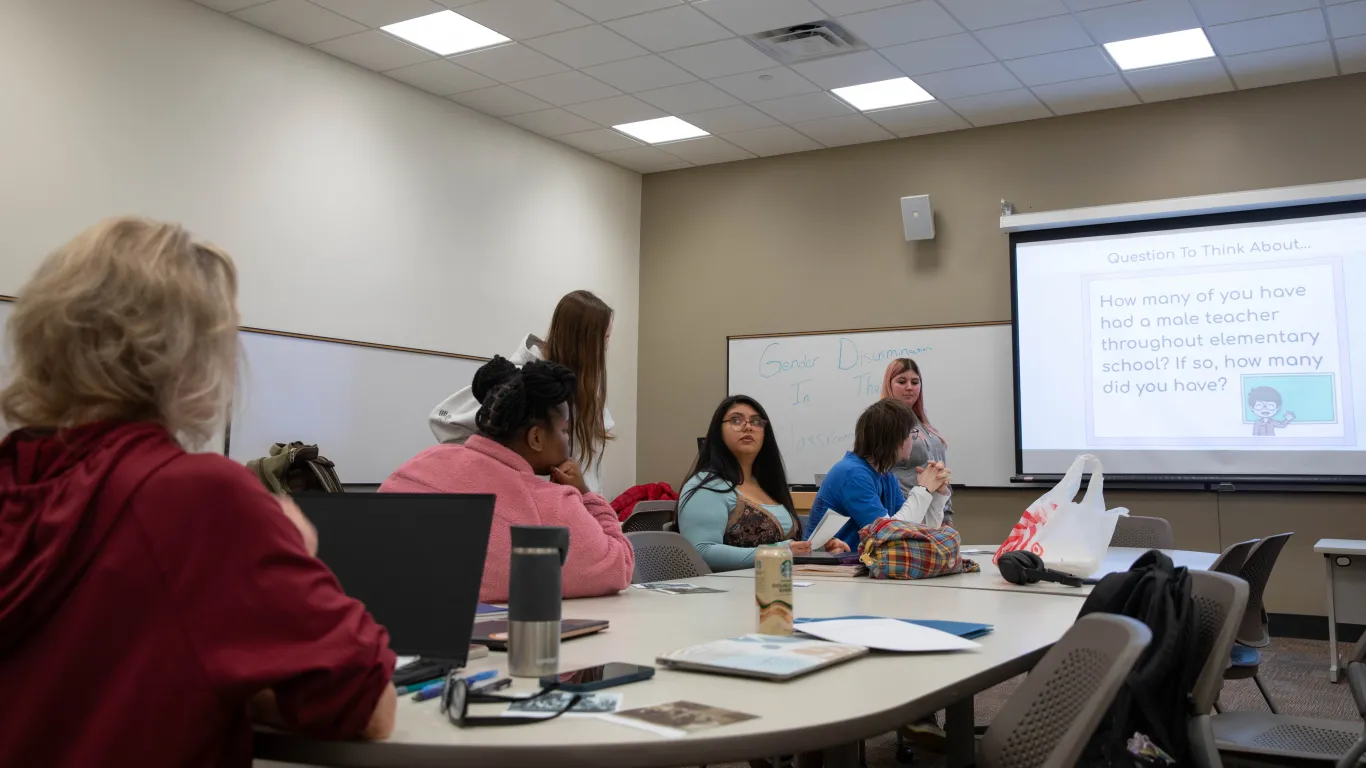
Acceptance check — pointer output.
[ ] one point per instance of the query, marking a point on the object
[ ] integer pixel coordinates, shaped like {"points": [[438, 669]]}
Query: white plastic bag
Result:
{"points": [[1070, 536]]}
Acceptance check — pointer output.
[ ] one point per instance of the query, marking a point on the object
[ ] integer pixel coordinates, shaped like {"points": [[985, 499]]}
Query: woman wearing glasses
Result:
{"points": [[736, 496]]}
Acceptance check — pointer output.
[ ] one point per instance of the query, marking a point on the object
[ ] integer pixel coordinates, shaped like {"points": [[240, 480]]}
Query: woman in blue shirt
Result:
{"points": [[862, 486], [736, 496]]}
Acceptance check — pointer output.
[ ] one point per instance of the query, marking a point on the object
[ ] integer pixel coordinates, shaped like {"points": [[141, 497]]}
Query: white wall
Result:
{"points": [[355, 206]]}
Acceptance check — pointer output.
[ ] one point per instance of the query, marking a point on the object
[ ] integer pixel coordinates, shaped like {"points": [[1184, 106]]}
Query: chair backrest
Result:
{"points": [[664, 556], [1231, 560], [1220, 600], [1256, 571], [1050, 717], [650, 516], [1143, 533]]}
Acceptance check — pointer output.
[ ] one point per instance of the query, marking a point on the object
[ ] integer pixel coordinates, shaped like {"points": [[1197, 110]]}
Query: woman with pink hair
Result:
{"points": [[902, 382]]}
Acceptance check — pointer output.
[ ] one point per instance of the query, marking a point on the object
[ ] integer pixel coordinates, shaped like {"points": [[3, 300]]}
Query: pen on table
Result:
{"points": [[432, 690], [415, 687]]}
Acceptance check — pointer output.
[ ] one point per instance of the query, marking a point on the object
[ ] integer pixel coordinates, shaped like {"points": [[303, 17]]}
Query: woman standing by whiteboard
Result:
{"points": [[902, 382], [579, 332]]}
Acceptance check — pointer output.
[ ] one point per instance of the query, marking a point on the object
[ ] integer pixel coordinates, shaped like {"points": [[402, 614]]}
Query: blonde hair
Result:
{"points": [[133, 321]]}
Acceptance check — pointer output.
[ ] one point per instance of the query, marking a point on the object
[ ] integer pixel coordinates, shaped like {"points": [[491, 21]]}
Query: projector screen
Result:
{"points": [[1214, 346]]}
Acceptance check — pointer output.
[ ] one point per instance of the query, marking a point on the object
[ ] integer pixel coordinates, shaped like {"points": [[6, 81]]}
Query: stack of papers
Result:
{"points": [[887, 635], [849, 571]]}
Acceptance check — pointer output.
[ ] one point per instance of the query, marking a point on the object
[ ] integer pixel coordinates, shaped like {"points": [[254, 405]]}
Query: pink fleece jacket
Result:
{"points": [[600, 560]]}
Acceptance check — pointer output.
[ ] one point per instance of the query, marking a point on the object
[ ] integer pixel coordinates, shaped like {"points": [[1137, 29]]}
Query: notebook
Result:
{"points": [[767, 657], [494, 634]]}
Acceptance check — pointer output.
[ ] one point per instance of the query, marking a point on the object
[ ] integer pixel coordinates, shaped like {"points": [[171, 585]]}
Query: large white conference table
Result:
{"points": [[989, 578], [829, 710]]}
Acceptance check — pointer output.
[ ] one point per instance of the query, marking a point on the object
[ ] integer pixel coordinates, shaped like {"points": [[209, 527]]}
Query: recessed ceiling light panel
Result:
{"points": [[661, 129], [1156, 50], [883, 94], [445, 33]]}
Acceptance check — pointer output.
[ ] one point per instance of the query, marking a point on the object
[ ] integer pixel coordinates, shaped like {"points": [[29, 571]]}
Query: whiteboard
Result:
{"points": [[364, 407], [815, 386]]}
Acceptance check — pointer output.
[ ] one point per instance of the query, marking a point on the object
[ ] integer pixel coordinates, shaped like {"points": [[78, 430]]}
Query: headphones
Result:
{"points": [[1021, 567]]}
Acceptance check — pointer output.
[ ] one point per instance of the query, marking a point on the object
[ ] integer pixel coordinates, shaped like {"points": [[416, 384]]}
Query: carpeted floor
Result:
{"points": [[1295, 672]]}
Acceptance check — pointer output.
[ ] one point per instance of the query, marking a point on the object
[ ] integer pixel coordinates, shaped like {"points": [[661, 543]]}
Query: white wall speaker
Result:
{"points": [[917, 218]]}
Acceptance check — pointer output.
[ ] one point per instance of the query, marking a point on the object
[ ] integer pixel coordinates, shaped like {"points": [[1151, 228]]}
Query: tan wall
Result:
{"points": [[813, 241]]}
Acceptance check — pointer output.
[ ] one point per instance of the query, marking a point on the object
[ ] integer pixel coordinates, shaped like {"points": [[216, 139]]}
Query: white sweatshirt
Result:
{"points": [[452, 421], [923, 507]]}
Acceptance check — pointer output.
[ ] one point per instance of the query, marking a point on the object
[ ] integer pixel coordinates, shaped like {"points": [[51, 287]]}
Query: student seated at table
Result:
{"points": [[736, 496], [862, 485], [149, 597], [524, 431]]}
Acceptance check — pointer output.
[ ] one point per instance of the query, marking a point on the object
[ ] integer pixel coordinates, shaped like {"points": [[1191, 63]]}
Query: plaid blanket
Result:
{"points": [[895, 549]]}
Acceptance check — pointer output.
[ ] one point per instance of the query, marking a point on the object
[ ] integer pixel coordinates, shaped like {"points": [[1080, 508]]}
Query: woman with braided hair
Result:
{"points": [[524, 431]]}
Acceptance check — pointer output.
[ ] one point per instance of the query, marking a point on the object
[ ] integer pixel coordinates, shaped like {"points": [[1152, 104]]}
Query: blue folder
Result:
{"points": [[963, 629]]}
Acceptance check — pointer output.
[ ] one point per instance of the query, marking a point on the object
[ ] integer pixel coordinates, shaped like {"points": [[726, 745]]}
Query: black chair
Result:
{"points": [[650, 516]]}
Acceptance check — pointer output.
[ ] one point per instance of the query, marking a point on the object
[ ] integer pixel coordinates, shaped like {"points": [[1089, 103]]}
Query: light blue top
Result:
{"points": [[702, 521]]}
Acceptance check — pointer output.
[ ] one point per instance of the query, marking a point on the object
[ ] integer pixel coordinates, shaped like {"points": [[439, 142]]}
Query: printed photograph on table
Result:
{"points": [[686, 716], [553, 702]]}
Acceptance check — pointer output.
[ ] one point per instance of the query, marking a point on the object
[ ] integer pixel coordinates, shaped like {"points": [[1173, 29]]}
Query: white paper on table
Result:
{"points": [[886, 635], [830, 525], [802, 583], [404, 661]]}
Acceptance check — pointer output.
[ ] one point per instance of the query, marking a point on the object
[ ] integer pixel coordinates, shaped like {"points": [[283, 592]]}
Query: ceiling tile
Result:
{"points": [[726, 57], [745, 17], [968, 81], [522, 19], [299, 20], [566, 88], [228, 6], [639, 74], [1139, 19], [1086, 95], [1267, 33], [616, 110], [1065, 65], [765, 84], [375, 50], [777, 140], [907, 23], [509, 63], [1225, 11], [499, 101], [457, 3], [440, 77], [377, 13], [846, 7], [1088, 5], [587, 46], [670, 28], [1337, 2], [1352, 54], [643, 159], [600, 140], [846, 129], [689, 97], [1180, 81], [996, 108], [551, 122], [807, 106], [980, 14], [1348, 20], [606, 10], [917, 118], [1282, 65], [1034, 38], [849, 69], [741, 117], [706, 150], [939, 54]]}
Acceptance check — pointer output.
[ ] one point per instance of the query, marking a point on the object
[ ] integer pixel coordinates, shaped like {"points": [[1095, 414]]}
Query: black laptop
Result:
{"points": [[415, 559]]}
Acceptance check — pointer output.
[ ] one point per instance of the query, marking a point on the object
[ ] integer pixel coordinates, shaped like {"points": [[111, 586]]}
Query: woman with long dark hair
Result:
{"points": [[579, 331], [736, 496]]}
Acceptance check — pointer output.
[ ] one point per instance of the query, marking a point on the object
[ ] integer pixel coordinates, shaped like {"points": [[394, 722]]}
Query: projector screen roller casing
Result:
{"points": [[1228, 345]]}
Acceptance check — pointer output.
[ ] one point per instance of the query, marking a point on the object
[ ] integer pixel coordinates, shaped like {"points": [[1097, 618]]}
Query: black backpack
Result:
{"points": [[1155, 699]]}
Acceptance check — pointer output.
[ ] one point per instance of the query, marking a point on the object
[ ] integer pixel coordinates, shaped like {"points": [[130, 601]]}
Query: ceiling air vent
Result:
{"points": [[813, 40]]}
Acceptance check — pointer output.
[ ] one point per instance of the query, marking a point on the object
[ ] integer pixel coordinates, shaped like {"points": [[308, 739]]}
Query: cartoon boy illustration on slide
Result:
{"points": [[1266, 403]]}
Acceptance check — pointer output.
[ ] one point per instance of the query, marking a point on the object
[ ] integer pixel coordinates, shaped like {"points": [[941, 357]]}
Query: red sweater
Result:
{"points": [[600, 559], [146, 594]]}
